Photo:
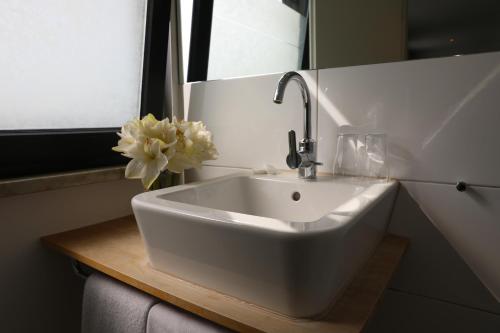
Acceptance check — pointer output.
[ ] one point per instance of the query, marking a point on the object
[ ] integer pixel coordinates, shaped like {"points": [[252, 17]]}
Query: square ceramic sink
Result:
{"points": [[283, 243]]}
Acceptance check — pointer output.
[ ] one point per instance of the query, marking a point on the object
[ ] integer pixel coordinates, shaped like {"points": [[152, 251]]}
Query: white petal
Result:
{"points": [[137, 151], [135, 169], [153, 169]]}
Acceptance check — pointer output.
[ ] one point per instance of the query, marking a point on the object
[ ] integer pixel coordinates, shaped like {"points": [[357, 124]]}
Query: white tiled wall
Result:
{"points": [[441, 117], [249, 129]]}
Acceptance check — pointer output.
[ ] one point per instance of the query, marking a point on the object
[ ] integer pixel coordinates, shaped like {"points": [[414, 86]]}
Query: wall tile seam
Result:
{"points": [[436, 299], [401, 180], [432, 182]]}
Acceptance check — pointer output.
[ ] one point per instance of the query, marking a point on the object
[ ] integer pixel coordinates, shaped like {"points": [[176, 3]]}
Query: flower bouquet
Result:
{"points": [[163, 147]]}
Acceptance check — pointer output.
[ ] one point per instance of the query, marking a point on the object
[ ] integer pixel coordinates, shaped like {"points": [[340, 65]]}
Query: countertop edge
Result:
{"points": [[355, 305]]}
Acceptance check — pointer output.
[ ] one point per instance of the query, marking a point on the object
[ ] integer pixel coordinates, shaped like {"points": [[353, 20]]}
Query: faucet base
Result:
{"points": [[307, 153], [307, 172]]}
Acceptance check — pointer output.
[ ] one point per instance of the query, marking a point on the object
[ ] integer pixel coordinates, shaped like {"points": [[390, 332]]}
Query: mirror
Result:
{"points": [[233, 38]]}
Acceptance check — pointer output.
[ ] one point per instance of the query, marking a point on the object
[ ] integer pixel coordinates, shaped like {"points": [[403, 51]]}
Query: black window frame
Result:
{"points": [[36, 152]]}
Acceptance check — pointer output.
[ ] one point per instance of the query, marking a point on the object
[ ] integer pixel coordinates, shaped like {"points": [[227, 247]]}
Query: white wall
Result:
{"points": [[39, 292], [249, 129], [440, 116]]}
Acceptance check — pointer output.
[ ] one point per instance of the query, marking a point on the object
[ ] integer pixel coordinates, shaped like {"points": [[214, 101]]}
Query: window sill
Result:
{"points": [[26, 185]]}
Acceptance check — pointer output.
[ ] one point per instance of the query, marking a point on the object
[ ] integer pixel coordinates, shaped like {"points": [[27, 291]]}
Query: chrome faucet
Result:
{"points": [[305, 157]]}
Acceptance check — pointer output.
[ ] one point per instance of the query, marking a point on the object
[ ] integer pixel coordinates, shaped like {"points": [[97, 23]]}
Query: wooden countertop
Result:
{"points": [[116, 249]]}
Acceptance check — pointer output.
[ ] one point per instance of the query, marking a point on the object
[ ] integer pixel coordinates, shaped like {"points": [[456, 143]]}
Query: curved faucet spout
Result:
{"points": [[305, 158], [280, 92]]}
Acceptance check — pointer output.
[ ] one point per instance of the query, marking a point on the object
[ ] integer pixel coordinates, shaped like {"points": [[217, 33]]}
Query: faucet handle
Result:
{"points": [[293, 159]]}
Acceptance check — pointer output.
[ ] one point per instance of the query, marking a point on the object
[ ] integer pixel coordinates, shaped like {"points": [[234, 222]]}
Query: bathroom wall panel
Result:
{"points": [[469, 220], [249, 129], [400, 312], [431, 266], [441, 115], [209, 172], [39, 291]]}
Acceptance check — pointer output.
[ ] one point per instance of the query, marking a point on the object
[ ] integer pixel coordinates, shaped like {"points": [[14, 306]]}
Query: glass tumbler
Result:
{"points": [[376, 163], [349, 157]]}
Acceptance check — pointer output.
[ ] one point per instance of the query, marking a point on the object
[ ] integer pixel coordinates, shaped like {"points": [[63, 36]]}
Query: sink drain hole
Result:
{"points": [[295, 196]]}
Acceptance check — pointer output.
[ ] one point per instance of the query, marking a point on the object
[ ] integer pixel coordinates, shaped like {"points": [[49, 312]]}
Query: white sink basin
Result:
{"points": [[246, 236]]}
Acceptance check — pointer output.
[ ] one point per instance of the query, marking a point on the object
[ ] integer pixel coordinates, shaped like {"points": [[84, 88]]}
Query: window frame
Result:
{"points": [[36, 152]]}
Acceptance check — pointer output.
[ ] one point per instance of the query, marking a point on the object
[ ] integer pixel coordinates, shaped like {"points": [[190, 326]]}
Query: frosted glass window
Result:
{"points": [[70, 64], [255, 37]]}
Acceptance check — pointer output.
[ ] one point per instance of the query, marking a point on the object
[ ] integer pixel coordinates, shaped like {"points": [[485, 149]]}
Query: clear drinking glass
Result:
{"points": [[349, 158], [376, 162], [362, 155]]}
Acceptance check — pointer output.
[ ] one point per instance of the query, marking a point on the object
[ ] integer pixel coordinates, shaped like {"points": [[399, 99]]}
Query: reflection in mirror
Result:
{"points": [[232, 38], [355, 32], [452, 27], [245, 37]]}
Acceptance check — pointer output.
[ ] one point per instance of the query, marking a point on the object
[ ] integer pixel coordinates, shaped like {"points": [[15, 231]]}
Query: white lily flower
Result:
{"points": [[147, 161], [130, 134], [194, 145], [162, 130]]}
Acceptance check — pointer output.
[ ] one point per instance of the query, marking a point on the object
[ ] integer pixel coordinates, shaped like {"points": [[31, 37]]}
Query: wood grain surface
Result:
{"points": [[116, 249]]}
